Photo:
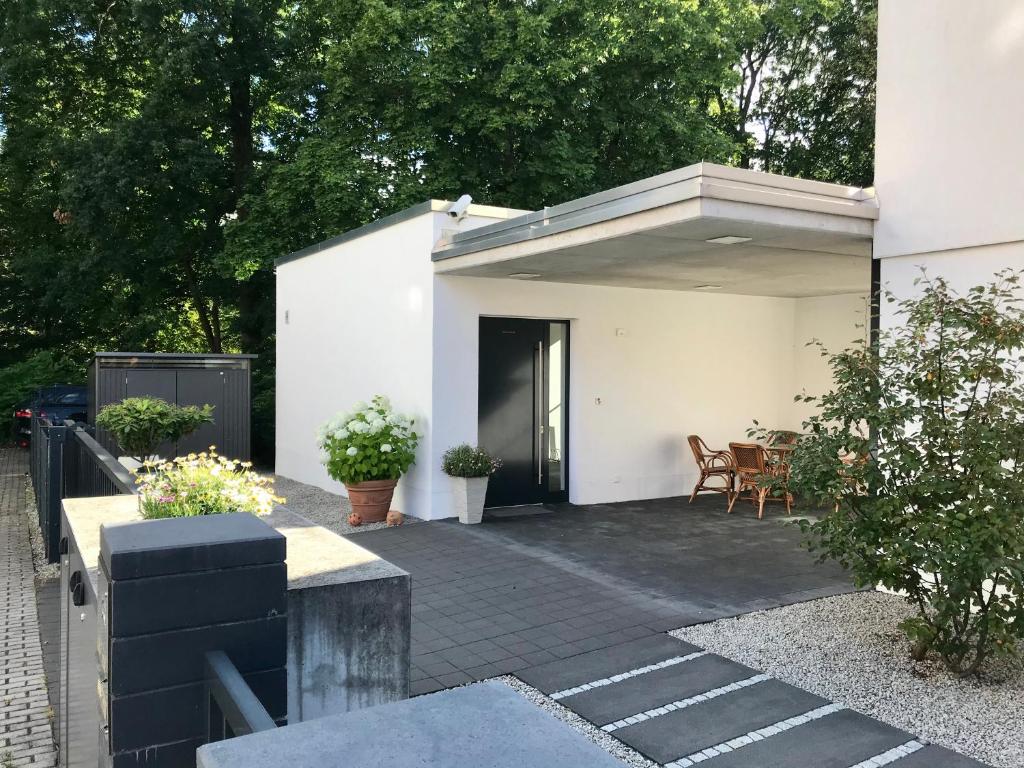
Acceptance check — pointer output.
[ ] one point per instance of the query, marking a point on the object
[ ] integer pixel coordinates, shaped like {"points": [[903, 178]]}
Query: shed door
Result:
{"points": [[202, 387]]}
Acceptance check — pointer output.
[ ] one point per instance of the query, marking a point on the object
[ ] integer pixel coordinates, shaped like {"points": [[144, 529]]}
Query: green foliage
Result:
{"points": [[204, 484], [469, 461], [141, 424], [816, 106], [919, 447], [156, 157], [18, 381], [370, 442]]}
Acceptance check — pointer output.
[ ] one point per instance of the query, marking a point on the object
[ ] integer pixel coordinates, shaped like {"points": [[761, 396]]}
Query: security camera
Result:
{"points": [[460, 208]]}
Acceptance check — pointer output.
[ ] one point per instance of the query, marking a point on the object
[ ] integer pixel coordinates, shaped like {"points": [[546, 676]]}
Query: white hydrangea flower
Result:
{"points": [[325, 457], [386, 448], [352, 450]]}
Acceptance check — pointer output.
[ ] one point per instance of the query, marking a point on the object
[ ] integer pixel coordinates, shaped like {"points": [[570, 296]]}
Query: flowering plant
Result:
{"points": [[203, 484], [370, 442], [468, 461]]}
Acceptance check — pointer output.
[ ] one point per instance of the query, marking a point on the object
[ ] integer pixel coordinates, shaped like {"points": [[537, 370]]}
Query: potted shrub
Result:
{"points": [[141, 424], [469, 468], [204, 484], [368, 449]]}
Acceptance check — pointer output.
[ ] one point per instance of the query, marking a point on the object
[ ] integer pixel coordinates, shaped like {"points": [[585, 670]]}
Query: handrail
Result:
{"points": [[234, 708], [106, 463]]}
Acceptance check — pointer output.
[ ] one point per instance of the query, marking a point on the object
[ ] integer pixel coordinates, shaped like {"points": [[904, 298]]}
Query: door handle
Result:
{"points": [[540, 413]]}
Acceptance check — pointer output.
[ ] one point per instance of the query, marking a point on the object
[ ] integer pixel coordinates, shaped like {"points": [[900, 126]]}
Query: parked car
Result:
{"points": [[56, 403]]}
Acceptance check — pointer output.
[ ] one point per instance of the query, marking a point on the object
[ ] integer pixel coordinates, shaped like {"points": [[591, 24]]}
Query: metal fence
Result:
{"points": [[232, 707], [65, 462]]}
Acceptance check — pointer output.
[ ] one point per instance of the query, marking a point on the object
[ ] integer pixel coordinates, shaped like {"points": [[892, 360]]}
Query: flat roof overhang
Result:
{"points": [[805, 238]]}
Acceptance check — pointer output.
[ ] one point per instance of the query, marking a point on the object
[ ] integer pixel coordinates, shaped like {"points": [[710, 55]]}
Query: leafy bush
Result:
{"points": [[370, 442], [141, 424], [204, 484], [468, 461], [918, 447]]}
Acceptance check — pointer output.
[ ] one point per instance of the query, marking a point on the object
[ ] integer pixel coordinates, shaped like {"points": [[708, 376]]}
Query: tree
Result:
{"points": [[523, 104], [816, 112], [804, 101], [919, 447]]}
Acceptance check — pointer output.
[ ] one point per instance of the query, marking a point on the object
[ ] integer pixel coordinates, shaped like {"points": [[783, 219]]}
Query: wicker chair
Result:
{"points": [[712, 464], [783, 437], [751, 462]]}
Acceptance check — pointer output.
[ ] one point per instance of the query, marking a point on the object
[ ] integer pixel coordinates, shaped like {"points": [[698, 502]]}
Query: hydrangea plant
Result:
{"points": [[370, 442], [204, 484]]}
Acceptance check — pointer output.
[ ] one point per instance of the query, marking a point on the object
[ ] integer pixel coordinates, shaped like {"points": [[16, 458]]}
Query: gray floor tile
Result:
{"points": [[586, 667], [698, 727], [937, 757], [836, 741], [655, 689]]}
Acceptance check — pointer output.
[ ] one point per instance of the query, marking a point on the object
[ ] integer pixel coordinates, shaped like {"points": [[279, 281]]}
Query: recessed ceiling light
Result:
{"points": [[707, 287], [524, 275], [728, 240]]}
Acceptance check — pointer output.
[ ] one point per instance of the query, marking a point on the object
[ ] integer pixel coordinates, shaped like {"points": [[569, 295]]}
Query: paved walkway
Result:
{"points": [[680, 705], [503, 596], [25, 734], [577, 603]]}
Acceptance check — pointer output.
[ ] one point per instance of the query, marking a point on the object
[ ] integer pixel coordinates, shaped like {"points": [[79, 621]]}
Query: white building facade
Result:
{"points": [[583, 343]]}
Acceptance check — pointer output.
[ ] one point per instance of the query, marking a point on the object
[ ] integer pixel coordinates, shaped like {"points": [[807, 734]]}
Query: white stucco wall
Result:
{"points": [[838, 322], [353, 321], [949, 173], [688, 363], [358, 324], [370, 316]]}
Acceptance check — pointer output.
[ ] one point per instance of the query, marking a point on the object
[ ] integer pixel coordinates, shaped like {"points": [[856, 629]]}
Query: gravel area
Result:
{"points": [[322, 507], [850, 650], [604, 740], [44, 571]]}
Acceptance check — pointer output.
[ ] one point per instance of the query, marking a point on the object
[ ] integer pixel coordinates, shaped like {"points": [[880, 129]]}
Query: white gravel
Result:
{"points": [[604, 740], [849, 649], [324, 508]]}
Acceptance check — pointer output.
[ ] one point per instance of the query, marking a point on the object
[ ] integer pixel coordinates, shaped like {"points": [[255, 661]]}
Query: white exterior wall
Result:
{"points": [[838, 322], [358, 325], [688, 363], [949, 173]]}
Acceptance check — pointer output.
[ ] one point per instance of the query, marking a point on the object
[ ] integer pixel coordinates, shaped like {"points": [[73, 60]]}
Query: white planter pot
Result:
{"points": [[469, 498]]}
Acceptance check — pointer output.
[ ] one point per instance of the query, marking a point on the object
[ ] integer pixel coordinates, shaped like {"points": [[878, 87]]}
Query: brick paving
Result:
{"points": [[25, 732], [518, 592]]}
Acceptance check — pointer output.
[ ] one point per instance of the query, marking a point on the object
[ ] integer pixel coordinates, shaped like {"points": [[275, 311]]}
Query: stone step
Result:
{"points": [[717, 720], [936, 757], [565, 674], [611, 703], [838, 740]]}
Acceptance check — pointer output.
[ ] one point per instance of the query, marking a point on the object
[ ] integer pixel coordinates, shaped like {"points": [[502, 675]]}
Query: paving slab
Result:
{"points": [[486, 724], [605, 662], [937, 757], [839, 740], [685, 731], [25, 735], [610, 703]]}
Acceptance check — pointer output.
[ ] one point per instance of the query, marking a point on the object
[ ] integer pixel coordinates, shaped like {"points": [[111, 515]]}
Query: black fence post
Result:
{"points": [[53, 488]]}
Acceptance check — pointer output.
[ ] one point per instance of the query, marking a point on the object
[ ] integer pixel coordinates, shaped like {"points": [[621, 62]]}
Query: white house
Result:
{"points": [[583, 343]]}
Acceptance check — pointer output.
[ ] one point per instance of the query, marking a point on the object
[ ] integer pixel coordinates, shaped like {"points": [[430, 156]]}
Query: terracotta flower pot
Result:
{"points": [[371, 499]]}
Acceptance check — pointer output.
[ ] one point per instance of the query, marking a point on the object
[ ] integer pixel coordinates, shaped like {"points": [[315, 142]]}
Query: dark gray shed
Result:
{"points": [[222, 381]]}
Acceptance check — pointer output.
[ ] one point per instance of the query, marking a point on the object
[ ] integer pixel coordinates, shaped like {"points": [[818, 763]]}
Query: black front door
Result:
{"points": [[523, 408]]}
